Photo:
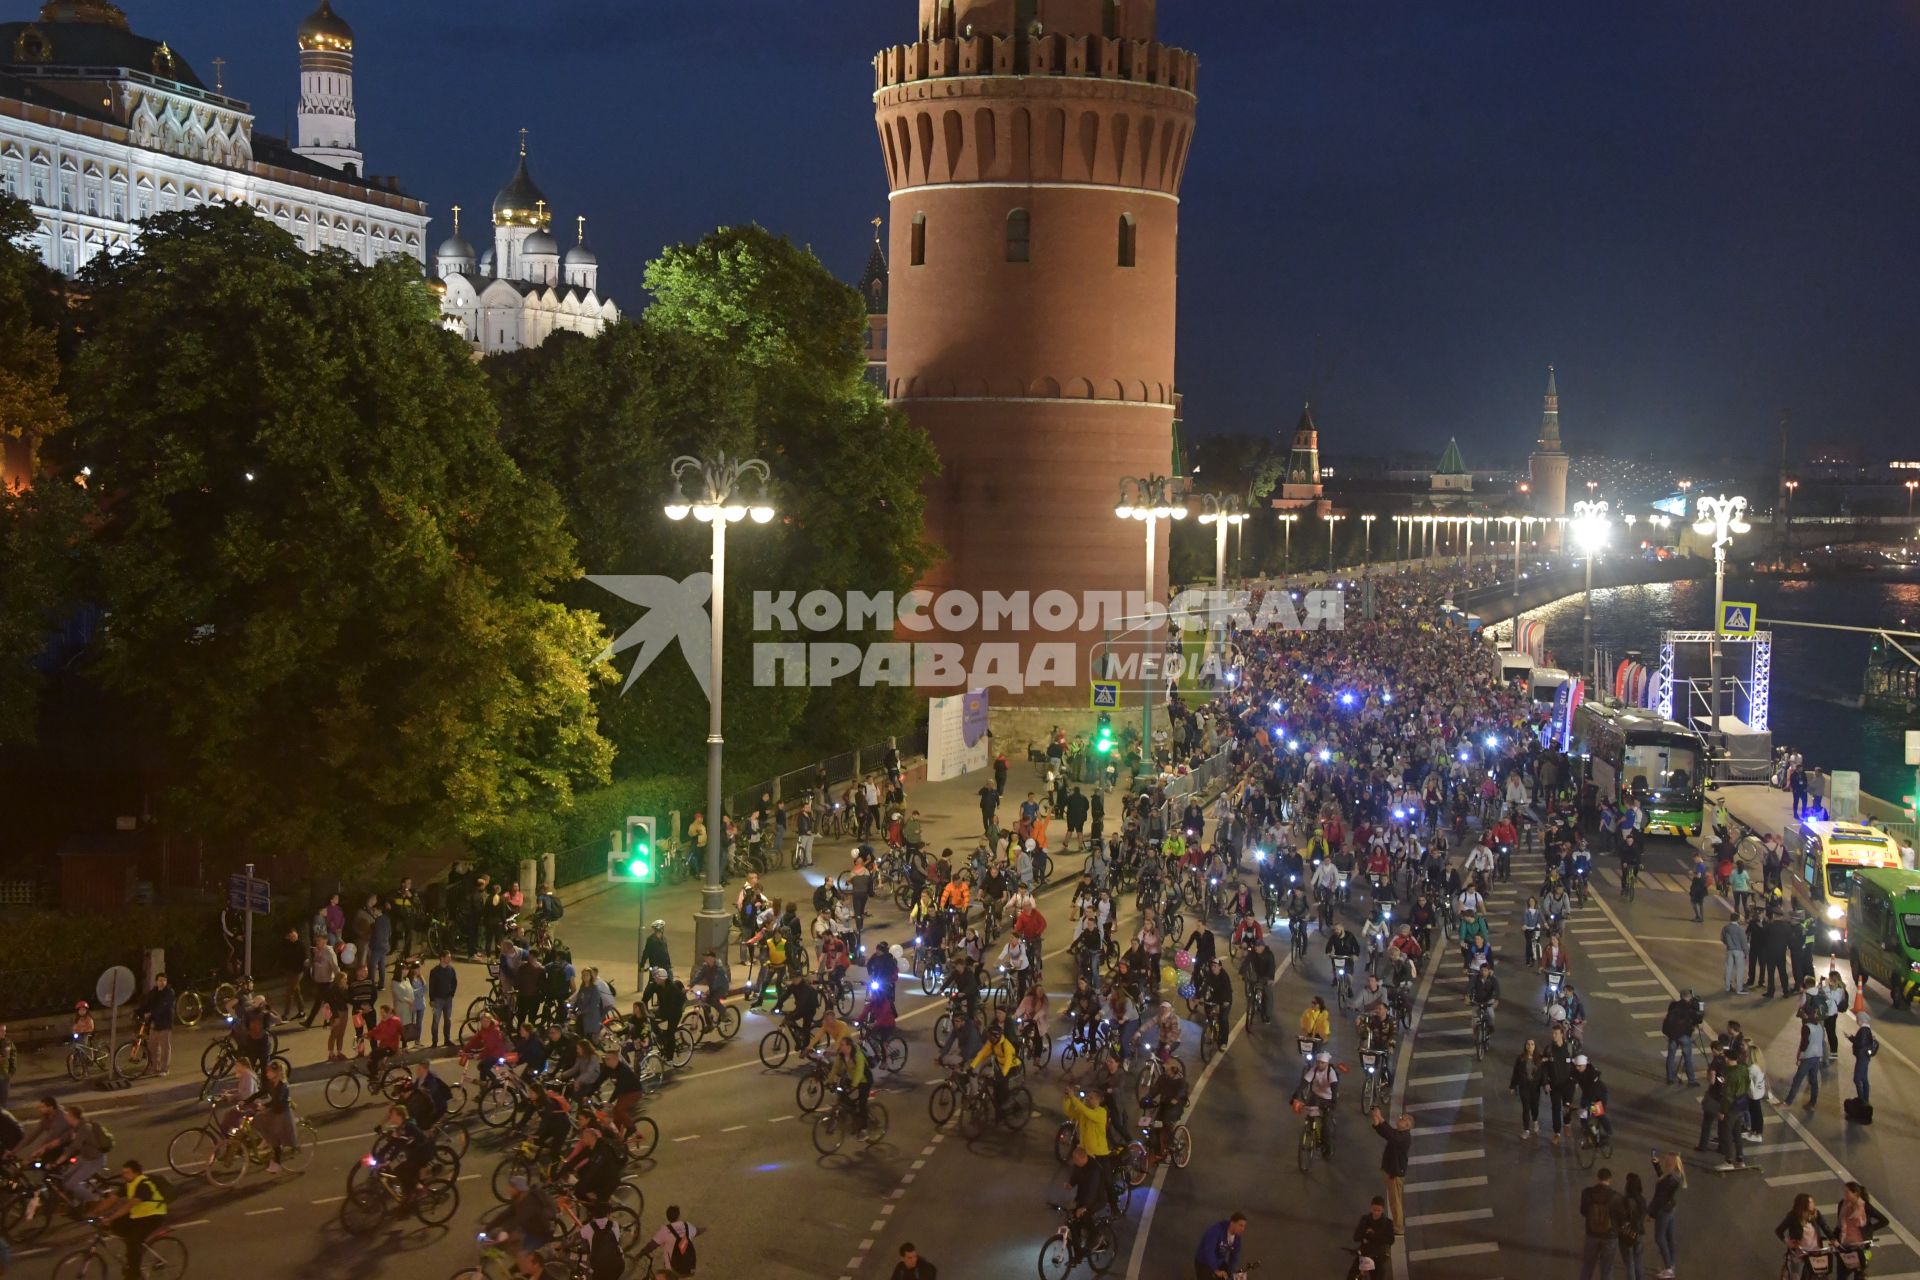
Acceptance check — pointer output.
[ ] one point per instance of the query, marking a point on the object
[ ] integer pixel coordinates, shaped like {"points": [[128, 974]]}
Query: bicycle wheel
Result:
{"points": [[643, 1138], [1101, 1247], [452, 1135], [1180, 1147], [1069, 1057], [456, 1097], [297, 1158], [1208, 1042], [513, 1166], [497, 1105], [1019, 1109], [940, 1104], [439, 1201], [186, 1008], [809, 1093], [226, 997], [627, 1195], [363, 1210], [393, 1080], [130, 1059], [211, 1055], [229, 1163], [86, 1263], [1056, 1259], [1307, 1145], [893, 1056], [942, 1031], [973, 1117], [1585, 1152], [343, 1089], [876, 1131], [775, 1048], [693, 1028], [1065, 1138], [166, 1258], [1039, 1050], [1479, 1042], [1135, 1164], [190, 1152], [828, 1132], [682, 1050], [728, 1019], [79, 1062]]}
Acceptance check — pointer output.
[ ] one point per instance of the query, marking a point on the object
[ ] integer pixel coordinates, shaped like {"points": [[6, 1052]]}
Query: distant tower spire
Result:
{"points": [[456, 219], [1550, 417], [1302, 481], [580, 228], [327, 125]]}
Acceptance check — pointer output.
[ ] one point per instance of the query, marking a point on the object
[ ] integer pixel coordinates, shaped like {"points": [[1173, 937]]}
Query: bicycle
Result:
{"points": [[1314, 1138], [980, 1108], [27, 1211], [830, 1130], [1067, 1248], [1629, 880], [85, 1058], [1594, 1141], [702, 1019], [162, 1256], [1377, 1086], [221, 1155], [1482, 1031], [134, 1058], [225, 997], [345, 1087], [378, 1198], [1141, 1157], [1297, 933], [1343, 981]]}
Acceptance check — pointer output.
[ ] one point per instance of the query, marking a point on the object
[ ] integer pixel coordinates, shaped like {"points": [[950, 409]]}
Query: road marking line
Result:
{"points": [[1618, 968], [895, 1194], [259, 1213], [1658, 937], [1753, 1147], [733, 1128], [351, 1137], [1646, 1015], [887, 1208], [1444, 1014], [1451, 1251], [907, 1177], [686, 1137], [879, 1224], [919, 1164], [328, 1200], [926, 1151], [1445, 1184], [1796, 1179], [467, 1177], [1636, 982], [1473, 1101], [1436, 1219], [1465, 1126], [778, 1119], [201, 1222], [1442, 1053], [1449, 1157], [1447, 1079], [866, 1244]]}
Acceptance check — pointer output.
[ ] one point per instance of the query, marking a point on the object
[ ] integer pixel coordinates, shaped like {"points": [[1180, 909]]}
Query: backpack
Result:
{"points": [[603, 1251], [161, 1187], [681, 1255], [102, 1137]]}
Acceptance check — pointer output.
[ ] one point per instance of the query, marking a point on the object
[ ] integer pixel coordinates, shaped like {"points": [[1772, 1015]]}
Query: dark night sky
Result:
{"points": [[1702, 213]]}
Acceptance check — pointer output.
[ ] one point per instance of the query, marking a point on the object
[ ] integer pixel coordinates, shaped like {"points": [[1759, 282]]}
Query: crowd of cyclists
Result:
{"points": [[1368, 787]]}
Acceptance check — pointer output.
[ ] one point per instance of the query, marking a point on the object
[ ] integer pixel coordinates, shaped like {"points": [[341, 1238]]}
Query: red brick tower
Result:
{"points": [[1034, 149]]}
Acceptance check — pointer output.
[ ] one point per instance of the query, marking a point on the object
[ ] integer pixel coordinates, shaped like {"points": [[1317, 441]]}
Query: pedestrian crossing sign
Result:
{"points": [[1739, 618], [1104, 693]]}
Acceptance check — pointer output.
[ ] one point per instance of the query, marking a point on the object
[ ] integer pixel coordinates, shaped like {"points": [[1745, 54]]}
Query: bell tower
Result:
{"points": [[326, 119], [1034, 151], [1547, 468]]}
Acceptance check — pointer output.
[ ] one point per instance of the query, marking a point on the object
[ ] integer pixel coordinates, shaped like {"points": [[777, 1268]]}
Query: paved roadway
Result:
{"points": [[1483, 1204]]}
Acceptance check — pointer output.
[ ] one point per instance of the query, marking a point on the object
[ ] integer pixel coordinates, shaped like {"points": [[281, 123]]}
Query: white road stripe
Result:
{"points": [[1448, 1079], [1449, 1157], [1445, 1184], [1465, 1126], [1437, 1219], [1473, 1101], [1798, 1179], [1451, 1251]]}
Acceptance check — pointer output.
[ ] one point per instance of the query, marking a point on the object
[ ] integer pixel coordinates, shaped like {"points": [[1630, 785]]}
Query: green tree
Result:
{"points": [[751, 347], [31, 405], [328, 584]]}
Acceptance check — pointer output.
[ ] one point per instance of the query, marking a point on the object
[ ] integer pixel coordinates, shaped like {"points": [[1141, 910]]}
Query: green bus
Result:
{"points": [[1634, 753]]}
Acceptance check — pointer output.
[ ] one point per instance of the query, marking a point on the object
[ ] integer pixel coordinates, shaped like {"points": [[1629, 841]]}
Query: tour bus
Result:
{"points": [[1832, 853], [1883, 928], [1516, 666], [1631, 752]]}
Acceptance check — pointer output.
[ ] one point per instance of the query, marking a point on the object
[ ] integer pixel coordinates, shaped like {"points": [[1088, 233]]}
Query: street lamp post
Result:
{"points": [[1911, 486], [1721, 518], [1149, 499], [717, 500], [1332, 520], [1222, 511], [1589, 527], [1286, 549], [1518, 521], [1366, 556]]}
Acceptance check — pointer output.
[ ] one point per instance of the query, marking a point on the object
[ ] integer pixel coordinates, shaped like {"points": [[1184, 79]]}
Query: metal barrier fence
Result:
{"points": [[841, 768]]}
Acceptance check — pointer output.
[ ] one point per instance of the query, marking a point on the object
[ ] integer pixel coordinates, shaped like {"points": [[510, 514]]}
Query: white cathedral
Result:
{"points": [[520, 289], [101, 127]]}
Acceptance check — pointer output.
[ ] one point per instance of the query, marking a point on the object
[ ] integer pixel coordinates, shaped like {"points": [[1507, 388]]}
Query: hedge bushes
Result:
{"points": [[55, 959]]}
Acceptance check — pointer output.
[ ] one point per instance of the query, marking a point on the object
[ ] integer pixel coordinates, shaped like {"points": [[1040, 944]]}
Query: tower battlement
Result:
{"points": [[1052, 54]]}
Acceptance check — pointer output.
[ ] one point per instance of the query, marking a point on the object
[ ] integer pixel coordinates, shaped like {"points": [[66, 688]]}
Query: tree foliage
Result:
{"points": [[329, 587], [31, 405], [751, 347]]}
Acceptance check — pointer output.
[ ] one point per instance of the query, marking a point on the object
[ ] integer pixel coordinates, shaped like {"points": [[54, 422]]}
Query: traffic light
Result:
{"points": [[638, 862], [1103, 736]]}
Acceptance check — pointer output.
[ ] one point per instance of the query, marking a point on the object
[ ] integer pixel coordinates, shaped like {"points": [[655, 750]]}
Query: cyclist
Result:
{"points": [[1004, 1059], [1166, 1032], [1582, 864], [1164, 1103], [1593, 1092], [854, 1069], [1421, 918], [134, 1214], [1216, 987], [1374, 934], [405, 1147], [1483, 991], [1083, 1010], [1258, 969], [1480, 865], [805, 996], [1404, 952], [1091, 1123], [1316, 1024], [1218, 1255], [1341, 943], [1370, 1004], [1092, 1192]]}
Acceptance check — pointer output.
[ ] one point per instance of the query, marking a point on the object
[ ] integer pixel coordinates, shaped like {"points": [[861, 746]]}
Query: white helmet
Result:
{"points": [[1325, 1058]]}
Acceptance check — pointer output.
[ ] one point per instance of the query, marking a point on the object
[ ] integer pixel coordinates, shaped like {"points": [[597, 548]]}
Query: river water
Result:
{"points": [[1811, 669]]}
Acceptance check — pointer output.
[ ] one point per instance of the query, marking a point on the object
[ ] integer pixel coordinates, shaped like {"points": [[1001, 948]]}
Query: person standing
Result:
{"points": [[1630, 1216], [1393, 1159], [1682, 1016], [442, 982], [1670, 1179], [1526, 1082], [1865, 1045], [158, 1010], [1697, 893], [1836, 1002], [1733, 937], [379, 941], [1774, 938], [1000, 773], [804, 825], [293, 957], [9, 1063], [1599, 1205]]}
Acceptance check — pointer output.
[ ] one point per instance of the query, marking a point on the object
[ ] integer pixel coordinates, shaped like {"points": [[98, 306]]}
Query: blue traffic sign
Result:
{"points": [[1738, 618], [254, 895], [1104, 693]]}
